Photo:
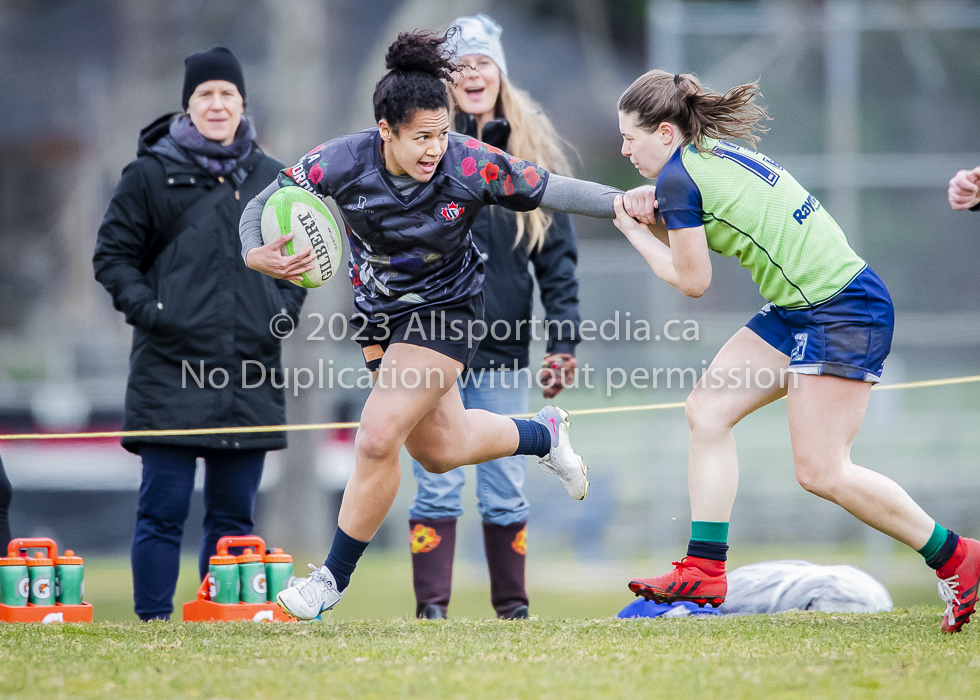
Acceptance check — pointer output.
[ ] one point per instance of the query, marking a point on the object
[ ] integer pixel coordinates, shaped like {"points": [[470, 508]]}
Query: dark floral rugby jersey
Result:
{"points": [[415, 251]]}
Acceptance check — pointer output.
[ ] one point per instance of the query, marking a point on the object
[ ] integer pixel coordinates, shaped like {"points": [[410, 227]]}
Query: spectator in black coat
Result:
{"points": [[168, 252]]}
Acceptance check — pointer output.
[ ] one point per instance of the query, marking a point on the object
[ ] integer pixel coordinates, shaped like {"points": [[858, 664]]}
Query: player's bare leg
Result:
{"points": [[727, 392], [717, 404], [824, 416]]}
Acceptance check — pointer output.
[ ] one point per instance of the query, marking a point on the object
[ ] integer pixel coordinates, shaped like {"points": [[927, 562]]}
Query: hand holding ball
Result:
{"points": [[302, 239]]}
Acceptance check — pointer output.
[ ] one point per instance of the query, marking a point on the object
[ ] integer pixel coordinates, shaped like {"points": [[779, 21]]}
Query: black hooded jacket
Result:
{"points": [[198, 306], [509, 289]]}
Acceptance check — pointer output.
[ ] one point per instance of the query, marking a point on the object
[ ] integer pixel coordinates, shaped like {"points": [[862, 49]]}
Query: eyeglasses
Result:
{"points": [[475, 67]]}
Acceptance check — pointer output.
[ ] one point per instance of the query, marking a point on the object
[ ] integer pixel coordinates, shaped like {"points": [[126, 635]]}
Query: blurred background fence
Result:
{"points": [[875, 105]]}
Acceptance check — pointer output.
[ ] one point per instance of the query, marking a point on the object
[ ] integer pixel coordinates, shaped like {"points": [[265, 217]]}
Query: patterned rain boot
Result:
{"points": [[433, 544], [506, 549]]}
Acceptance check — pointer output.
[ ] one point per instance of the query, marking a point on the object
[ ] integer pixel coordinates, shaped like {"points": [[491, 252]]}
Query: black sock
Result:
{"points": [[939, 559], [533, 438], [707, 550], [342, 560]]}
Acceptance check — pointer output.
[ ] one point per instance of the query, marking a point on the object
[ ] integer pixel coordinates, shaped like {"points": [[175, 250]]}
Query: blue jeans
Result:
{"points": [[499, 483], [231, 479]]}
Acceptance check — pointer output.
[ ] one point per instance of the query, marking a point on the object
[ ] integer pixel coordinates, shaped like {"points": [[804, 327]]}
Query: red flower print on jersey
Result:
{"points": [[514, 160], [508, 186], [451, 211], [494, 149], [531, 175], [469, 166], [356, 278], [473, 143], [490, 172], [316, 174]]}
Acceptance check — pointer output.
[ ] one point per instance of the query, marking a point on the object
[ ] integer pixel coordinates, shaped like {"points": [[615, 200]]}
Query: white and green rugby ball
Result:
{"points": [[294, 210]]}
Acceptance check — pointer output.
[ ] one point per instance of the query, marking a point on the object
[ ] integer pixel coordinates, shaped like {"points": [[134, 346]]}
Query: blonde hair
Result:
{"points": [[700, 113], [533, 138]]}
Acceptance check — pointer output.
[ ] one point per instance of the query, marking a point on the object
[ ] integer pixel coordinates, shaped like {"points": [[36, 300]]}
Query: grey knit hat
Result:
{"points": [[477, 35]]}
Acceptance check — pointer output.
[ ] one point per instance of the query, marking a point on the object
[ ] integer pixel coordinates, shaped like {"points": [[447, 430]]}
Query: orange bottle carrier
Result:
{"points": [[203, 609], [59, 612]]}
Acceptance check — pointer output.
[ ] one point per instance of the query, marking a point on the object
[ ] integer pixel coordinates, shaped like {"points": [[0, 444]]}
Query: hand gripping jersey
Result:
{"points": [[754, 210], [415, 251]]}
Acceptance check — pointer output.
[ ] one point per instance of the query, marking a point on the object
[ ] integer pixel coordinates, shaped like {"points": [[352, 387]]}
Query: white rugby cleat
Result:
{"points": [[562, 460], [311, 596]]}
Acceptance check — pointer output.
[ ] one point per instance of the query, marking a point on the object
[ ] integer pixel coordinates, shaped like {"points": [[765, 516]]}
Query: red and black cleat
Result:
{"points": [[958, 585], [700, 581]]}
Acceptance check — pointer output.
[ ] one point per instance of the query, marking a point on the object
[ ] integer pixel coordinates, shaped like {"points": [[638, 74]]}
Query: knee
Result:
{"points": [[818, 477], [374, 445], [704, 415]]}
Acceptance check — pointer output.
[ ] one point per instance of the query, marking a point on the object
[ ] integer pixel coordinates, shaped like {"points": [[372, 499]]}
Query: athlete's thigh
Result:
{"points": [[746, 374], [825, 413], [444, 421], [412, 381]]}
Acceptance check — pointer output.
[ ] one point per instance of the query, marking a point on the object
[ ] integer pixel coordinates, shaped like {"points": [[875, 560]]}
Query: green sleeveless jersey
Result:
{"points": [[754, 210]]}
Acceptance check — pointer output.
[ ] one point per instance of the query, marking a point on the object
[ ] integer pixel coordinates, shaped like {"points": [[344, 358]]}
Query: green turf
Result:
{"points": [[558, 588], [899, 654]]}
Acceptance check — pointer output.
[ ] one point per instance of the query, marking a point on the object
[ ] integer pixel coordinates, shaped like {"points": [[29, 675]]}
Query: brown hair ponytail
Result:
{"points": [[658, 96]]}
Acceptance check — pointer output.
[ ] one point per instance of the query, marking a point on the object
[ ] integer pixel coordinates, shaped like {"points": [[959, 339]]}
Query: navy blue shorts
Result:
{"points": [[848, 336], [453, 330]]}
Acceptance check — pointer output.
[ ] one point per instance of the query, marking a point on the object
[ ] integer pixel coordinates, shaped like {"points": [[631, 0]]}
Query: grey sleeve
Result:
{"points": [[250, 227], [579, 197]]}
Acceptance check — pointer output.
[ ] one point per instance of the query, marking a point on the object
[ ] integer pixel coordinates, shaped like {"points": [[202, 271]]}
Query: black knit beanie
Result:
{"points": [[217, 64]]}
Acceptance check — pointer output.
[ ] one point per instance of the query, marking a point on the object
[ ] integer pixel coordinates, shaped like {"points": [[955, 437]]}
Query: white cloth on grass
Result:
{"points": [[778, 586]]}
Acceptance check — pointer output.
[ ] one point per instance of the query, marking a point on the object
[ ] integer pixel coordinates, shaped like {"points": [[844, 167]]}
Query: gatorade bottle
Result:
{"points": [[278, 572], [14, 581], [223, 578], [40, 572], [251, 570], [69, 578]]}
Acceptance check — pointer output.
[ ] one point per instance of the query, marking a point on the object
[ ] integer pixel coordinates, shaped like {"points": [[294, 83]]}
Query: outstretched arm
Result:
{"points": [[579, 197], [683, 262], [269, 259]]}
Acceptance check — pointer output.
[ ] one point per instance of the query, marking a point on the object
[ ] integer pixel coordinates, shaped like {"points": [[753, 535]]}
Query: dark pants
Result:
{"points": [[231, 479], [6, 493]]}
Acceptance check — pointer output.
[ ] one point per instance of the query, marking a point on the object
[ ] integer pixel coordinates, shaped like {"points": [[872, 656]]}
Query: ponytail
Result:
{"points": [[657, 96], [417, 69]]}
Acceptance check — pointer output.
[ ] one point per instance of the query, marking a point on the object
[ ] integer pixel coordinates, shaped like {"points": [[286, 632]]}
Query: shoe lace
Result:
{"points": [[947, 591], [308, 589]]}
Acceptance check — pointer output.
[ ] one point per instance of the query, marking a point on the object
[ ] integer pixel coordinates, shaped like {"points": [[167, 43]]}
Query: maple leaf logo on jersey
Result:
{"points": [[451, 211]]}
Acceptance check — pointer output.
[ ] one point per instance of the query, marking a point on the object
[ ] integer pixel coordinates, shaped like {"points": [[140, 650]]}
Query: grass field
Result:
{"points": [[370, 647], [794, 655]]}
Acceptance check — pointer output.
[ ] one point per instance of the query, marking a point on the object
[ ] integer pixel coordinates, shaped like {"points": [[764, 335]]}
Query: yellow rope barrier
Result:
{"points": [[337, 426]]}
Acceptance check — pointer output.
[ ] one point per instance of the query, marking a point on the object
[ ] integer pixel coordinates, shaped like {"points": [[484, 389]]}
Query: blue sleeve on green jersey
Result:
{"points": [[678, 197]]}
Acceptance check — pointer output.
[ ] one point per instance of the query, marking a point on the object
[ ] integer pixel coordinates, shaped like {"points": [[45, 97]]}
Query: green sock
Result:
{"points": [[706, 531], [935, 542]]}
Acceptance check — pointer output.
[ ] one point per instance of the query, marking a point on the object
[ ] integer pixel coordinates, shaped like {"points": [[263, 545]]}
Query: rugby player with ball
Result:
{"points": [[408, 191]]}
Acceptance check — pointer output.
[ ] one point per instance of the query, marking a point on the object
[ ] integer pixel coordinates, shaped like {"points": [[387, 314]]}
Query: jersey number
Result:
{"points": [[765, 169]]}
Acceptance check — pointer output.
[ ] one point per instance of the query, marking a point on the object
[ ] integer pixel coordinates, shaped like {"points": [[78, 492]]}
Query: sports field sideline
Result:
{"points": [[897, 655], [370, 647]]}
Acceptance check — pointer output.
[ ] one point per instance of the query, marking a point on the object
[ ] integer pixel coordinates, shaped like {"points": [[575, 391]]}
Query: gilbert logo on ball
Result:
{"points": [[294, 210]]}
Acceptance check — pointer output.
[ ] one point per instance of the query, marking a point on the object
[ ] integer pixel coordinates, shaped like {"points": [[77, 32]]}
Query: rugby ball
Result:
{"points": [[294, 210]]}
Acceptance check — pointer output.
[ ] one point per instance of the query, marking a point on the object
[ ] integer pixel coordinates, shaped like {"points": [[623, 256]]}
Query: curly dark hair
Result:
{"points": [[417, 68]]}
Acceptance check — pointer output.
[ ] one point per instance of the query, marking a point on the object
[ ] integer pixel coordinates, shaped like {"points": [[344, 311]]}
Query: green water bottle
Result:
{"points": [[40, 572], [223, 578], [278, 572], [69, 579], [14, 581], [251, 570]]}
